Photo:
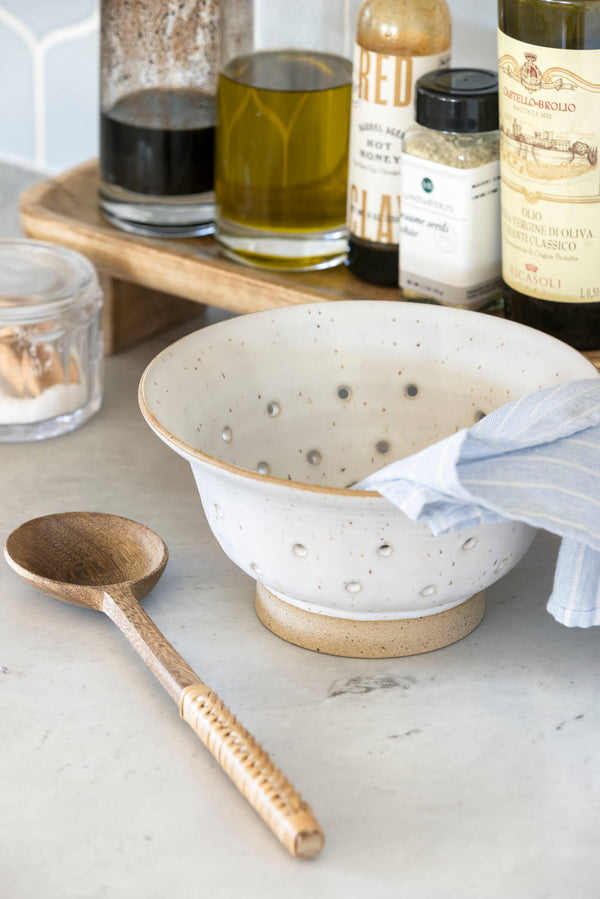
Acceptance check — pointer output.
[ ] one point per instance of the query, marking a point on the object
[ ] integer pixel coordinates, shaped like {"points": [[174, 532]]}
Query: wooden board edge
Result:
{"points": [[217, 282]]}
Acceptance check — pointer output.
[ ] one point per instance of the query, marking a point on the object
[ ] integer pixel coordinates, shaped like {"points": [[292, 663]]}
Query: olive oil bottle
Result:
{"points": [[549, 74], [397, 41]]}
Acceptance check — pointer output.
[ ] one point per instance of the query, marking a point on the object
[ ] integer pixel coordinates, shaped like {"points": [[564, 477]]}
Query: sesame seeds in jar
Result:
{"points": [[450, 217], [459, 151]]}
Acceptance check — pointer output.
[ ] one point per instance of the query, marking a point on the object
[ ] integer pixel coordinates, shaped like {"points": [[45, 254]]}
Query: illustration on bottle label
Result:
{"points": [[550, 134], [382, 110]]}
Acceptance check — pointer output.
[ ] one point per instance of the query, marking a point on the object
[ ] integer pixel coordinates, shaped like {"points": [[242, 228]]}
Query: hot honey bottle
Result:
{"points": [[549, 80], [397, 41]]}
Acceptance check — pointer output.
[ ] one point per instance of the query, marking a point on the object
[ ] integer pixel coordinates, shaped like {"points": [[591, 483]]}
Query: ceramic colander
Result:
{"points": [[280, 412]]}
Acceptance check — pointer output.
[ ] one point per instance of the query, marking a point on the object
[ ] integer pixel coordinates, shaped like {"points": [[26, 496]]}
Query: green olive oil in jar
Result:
{"points": [[282, 151]]}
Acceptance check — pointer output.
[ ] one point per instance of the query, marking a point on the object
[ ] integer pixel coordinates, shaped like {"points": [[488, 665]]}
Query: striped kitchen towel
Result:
{"points": [[536, 460]]}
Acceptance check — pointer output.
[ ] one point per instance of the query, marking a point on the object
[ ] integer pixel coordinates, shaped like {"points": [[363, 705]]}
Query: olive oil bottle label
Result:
{"points": [[450, 240], [382, 110], [550, 133]]}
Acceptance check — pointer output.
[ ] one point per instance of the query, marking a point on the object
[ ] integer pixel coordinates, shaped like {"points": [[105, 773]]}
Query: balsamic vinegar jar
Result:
{"points": [[549, 74], [159, 65], [157, 116]]}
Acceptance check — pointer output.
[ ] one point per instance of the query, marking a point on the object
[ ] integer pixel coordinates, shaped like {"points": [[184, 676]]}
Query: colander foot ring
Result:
{"points": [[374, 639]]}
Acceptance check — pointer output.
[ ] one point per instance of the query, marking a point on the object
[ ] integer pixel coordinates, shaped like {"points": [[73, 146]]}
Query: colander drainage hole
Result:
{"points": [[479, 415], [300, 550], [218, 512], [353, 586], [256, 568], [227, 434], [411, 390], [428, 591], [273, 409], [263, 468], [344, 392], [385, 550], [471, 543], [314, 457], [382, 447]]}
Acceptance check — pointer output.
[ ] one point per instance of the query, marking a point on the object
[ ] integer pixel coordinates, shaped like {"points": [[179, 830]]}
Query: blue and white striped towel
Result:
{"points": [[537, 460]]}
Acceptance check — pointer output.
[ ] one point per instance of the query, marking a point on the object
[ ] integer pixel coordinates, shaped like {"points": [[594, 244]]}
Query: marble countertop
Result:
{"points": [[468, 772]]}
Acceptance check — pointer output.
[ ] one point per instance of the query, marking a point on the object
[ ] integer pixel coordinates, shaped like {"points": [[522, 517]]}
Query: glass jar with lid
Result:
{"points": [[51, 348], [450, 249]]}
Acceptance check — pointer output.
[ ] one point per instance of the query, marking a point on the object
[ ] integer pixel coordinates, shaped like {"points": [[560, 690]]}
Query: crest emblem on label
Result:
{"points": [[533, 78], [531, 74]]}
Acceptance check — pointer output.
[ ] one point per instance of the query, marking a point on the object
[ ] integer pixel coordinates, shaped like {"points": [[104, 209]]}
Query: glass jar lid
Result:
{"points": [[38, 279], [460, 100]]}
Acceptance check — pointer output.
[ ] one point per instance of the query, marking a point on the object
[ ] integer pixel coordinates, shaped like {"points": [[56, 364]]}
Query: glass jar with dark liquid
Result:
{"points": [[159, 70], [283, 116]]}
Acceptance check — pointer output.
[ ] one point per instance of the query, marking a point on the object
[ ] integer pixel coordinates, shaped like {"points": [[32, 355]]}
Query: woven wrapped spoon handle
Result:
{"points": [[234, 748], [252, 771]]}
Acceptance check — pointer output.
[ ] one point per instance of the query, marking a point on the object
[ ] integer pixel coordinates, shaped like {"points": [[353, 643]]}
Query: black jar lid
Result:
{"points": [[464, 100]]}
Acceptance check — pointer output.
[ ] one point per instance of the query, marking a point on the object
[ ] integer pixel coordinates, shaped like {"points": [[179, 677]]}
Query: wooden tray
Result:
{"points": [[150, 284]]}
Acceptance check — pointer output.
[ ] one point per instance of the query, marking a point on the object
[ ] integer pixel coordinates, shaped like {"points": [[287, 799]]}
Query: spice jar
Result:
{"points": [[450, 249], [51, 351]]}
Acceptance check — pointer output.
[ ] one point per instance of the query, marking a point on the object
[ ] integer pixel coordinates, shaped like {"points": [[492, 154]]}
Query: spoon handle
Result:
{"points": [[252, 771], [234, 748]]}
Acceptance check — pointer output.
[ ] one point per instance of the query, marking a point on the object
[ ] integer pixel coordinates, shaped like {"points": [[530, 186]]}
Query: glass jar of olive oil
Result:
{"points": [[283, 114]]}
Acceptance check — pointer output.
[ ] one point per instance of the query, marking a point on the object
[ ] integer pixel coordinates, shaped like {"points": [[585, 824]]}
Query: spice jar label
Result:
{"points": [[550, 132], [450, 241], [382, 110]]}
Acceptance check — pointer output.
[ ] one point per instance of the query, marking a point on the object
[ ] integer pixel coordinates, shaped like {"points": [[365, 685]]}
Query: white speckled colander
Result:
{"points": [[280, 412]]}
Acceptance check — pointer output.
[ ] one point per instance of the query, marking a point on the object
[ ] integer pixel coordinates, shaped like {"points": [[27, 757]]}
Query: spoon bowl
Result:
{"points": [[109, 563], [77, 556]]}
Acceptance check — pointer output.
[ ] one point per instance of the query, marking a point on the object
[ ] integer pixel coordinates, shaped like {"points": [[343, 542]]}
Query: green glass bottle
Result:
{"points": [[549, 74]]}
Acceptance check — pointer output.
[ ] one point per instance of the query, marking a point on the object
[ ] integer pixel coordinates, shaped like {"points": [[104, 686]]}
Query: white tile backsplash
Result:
{"points": [[49, 74], [48, 63], [71, 108], [17, 137], [44, 16]]}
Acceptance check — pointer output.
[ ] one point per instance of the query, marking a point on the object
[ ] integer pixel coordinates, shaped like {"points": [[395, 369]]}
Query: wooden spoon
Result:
{"points": [[109, 563]]}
